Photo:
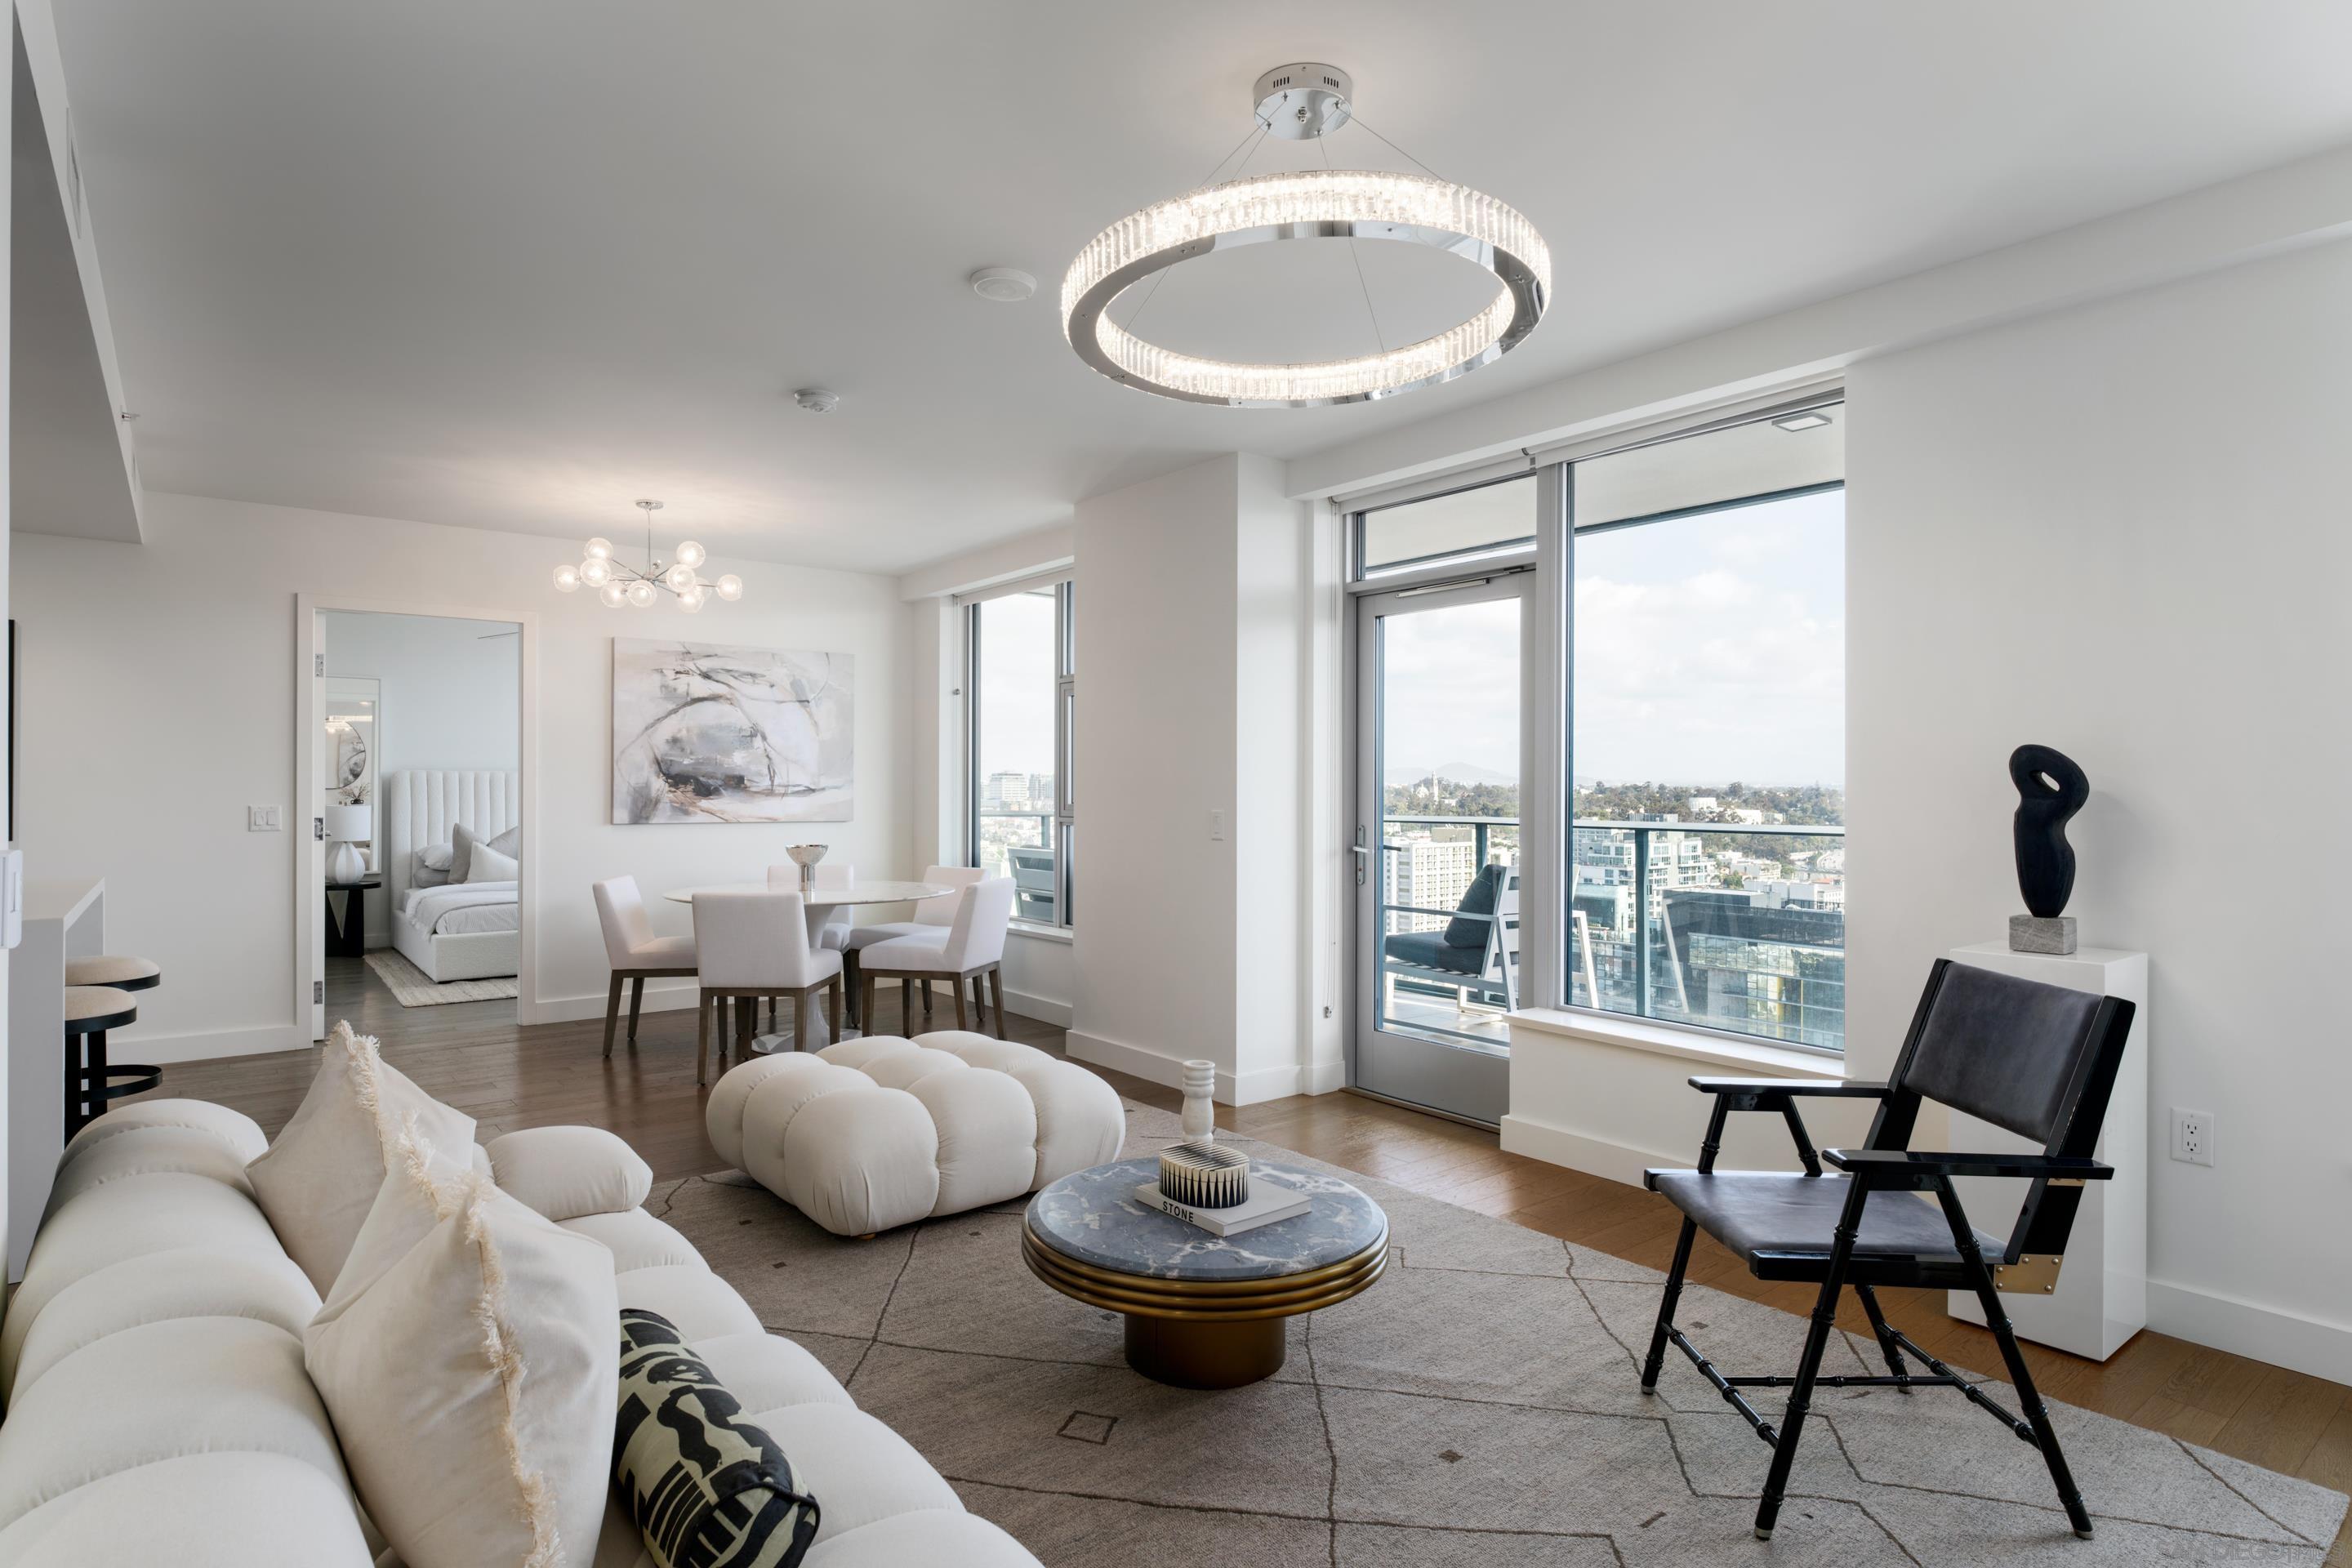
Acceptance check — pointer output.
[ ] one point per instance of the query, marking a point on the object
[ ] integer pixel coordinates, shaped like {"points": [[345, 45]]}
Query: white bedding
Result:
{"points": [[463, 908]]}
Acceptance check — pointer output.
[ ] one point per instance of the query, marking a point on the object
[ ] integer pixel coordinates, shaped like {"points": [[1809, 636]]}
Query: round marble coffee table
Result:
{"points": [[1202, 1310]]}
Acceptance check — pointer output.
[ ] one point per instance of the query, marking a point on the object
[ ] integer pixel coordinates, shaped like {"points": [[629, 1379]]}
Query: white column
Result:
{"points": [[2101, 1295]]}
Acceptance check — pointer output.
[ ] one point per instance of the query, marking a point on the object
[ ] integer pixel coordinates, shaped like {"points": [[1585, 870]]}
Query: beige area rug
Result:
{"points": [[411, 988], [1478, 1406]]}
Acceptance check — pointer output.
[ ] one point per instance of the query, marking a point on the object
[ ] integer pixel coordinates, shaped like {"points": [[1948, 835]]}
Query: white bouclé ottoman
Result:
{"points": [[868, 1134]]}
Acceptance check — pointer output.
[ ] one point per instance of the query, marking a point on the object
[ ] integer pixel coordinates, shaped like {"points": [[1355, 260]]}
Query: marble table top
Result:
{"points": [[874, 892], [1093, 1217]]}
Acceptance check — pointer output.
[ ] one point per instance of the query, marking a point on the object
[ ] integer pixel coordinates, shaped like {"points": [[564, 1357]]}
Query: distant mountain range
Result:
{"points": [[1458, 772]]}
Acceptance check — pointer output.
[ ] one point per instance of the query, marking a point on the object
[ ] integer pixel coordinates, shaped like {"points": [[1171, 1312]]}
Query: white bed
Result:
{"points": [[469, 930]]}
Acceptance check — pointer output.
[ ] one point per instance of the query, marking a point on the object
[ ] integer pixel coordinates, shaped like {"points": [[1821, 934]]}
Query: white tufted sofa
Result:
{"points": [[158, 1410], [870, 1135]]}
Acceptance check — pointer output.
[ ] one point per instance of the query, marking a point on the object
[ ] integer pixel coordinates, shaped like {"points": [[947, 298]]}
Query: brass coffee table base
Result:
{"points": [[1218, 1333]]}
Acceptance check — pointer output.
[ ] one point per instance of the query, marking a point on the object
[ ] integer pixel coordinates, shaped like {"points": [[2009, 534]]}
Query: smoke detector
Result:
{"points": [[1005, 285], [816, 399]]}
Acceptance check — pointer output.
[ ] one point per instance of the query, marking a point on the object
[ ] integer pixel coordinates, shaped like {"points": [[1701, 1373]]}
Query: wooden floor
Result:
{"points": [[472, 1056]]}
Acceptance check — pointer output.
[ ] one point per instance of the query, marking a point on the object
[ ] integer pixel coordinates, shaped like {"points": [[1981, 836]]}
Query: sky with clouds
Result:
{"points": [[1707, 649]]}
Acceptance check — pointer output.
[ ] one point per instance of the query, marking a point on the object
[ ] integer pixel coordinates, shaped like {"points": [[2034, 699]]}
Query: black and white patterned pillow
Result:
{"points": [[706, 1488]]}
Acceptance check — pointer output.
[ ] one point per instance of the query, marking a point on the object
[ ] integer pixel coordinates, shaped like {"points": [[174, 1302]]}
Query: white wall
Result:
{"points": [[1193, 634], [159, 703], [449, 696], [2120, 530]]}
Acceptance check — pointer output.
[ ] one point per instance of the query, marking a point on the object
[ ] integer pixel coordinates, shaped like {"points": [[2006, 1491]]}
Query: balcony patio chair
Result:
{"points": [[1033, 879], [2039, 1060], [1476, 952]]}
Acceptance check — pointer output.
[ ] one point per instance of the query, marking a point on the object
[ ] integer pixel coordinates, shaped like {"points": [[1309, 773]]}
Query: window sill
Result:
{"points": [[1668, 1040], [1036, 932]]}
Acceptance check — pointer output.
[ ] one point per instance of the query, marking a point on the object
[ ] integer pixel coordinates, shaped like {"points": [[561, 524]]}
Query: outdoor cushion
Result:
{"points": [[1429, 948], [1478, 899]]}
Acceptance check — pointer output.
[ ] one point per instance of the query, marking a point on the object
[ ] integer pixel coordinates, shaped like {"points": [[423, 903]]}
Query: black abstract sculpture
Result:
{"points": [[2050, 789]]}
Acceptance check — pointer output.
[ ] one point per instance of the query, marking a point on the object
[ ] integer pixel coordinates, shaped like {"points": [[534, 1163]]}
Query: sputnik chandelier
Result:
{"points": [[618, 583], [1297, 104]]}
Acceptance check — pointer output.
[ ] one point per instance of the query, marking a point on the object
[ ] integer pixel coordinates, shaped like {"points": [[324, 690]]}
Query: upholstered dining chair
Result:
{"points": [[834, 931], [973, 950], [2039, 1060], [932, 917], [634, 950], [751, 945]]}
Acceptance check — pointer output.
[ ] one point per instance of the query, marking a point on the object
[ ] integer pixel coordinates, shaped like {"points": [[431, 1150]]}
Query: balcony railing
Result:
{"points": [[1719, 925], [1020, 846]]}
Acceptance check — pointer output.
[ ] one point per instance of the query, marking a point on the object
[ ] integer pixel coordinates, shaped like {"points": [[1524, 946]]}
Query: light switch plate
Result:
{"points": [[264, 819], [1217, 827]]}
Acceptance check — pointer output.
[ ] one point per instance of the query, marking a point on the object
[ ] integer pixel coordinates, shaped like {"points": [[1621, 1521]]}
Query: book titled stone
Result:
{"points": [[1265, 1205]]}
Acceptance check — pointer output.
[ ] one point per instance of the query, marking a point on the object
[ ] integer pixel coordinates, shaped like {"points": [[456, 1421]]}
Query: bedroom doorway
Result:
{"points": [[411, 902]]}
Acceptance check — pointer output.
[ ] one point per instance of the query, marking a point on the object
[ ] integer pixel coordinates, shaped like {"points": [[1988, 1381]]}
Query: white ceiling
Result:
{"points": [[512, 264]]}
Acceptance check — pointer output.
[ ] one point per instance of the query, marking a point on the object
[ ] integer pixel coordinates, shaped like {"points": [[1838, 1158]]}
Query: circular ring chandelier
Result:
{"points": [[1298, 102]]}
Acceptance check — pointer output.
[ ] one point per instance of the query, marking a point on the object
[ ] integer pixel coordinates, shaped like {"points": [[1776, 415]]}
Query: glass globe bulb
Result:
{"points": [[690, 554], [730, 588], [600, 550], [691, 601], [641, 593], [596, 571], [567, 579], [680, 576], [612, 594]]}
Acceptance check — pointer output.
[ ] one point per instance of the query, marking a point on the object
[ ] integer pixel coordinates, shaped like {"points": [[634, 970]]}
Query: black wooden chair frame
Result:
{"points": [[1885, 1164]]}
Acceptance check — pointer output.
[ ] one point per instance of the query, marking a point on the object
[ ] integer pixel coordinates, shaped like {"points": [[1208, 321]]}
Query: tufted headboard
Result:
{"points": [[423, 806]]}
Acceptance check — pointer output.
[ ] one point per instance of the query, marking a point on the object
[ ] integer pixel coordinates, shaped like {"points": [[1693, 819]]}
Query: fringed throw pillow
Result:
{"points": [[705, 1487], [469, 1363], [317, 1179]]}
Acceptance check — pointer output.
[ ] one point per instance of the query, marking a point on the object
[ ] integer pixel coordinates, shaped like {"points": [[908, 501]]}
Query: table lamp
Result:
{"points": [[349, 826]]}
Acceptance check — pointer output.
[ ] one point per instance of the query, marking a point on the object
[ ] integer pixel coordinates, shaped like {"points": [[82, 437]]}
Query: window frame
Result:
{"points": [[1547, 808], [1064, 814]]}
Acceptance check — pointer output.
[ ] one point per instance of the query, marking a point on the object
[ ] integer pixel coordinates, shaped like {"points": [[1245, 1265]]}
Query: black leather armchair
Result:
{"points": [[2039, 1060]]}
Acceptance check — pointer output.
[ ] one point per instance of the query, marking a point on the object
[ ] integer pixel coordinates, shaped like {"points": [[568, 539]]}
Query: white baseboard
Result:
{"points": [[663, 994], [1326, 1077], [2309, 1345], [1044, 1009], [1580, 1152], [165, 1050], [1248, 1088]]}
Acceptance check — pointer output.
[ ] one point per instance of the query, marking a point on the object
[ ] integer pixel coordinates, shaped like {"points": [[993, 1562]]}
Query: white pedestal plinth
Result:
{"points": [[2101, 1295]]}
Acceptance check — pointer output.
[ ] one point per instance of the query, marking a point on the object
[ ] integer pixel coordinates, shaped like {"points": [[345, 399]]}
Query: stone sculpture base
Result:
{"points": [[2031, 933]]}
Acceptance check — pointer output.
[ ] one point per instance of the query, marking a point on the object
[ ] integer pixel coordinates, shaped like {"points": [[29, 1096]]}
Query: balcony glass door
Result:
{"points": [[1437, 842]]}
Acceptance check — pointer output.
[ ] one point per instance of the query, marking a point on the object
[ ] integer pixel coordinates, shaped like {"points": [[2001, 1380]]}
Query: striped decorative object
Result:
{"points": [[1203, 1177], [706, 1488]]}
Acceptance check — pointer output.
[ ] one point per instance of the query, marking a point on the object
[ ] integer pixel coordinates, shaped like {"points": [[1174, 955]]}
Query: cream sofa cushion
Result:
{"points": [[321, 1178], [197, 1510], [567, 1172], [157, 1392], [474, 1380]]}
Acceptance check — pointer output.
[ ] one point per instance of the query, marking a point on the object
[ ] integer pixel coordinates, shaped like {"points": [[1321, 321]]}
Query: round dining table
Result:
{"points": [[820, 903]]}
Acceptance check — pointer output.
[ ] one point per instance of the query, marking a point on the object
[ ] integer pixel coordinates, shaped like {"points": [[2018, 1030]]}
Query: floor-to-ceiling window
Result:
{"points": [[1022, 702], [1707, 719]]}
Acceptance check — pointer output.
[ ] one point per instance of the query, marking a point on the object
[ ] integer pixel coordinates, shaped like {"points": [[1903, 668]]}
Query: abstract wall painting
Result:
{"points": [[705, 733]]}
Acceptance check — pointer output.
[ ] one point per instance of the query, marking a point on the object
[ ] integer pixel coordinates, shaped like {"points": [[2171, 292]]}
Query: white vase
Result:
{"points": [[346, 864], [1200, 1108]]}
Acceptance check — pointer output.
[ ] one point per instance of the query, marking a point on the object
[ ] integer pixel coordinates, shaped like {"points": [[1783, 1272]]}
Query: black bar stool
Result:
{"points": [[90, 1082]]}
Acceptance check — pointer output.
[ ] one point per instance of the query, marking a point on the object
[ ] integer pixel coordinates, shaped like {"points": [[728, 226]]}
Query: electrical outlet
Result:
{"points": [[2192, 1136], [263, 819], [1217, 826]]}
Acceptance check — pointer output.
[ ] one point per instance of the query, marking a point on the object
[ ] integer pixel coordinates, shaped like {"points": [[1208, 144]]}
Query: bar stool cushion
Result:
{"points": [[872, 1133], [112, 968], [321, 1178], [96, 1007]]}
